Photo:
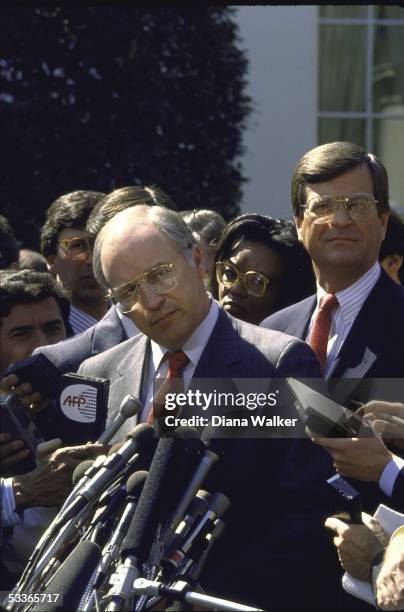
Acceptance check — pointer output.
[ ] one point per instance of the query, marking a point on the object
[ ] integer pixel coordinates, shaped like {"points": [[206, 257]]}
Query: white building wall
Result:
{"points": [[281, 46]]}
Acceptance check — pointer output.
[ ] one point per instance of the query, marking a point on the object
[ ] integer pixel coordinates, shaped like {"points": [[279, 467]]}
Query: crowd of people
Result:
{"points": [[128, 289]]}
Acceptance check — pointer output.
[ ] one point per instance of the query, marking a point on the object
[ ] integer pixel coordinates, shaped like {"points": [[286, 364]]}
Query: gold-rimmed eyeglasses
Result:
{"points": [[76, 248], [160, 279], [228, 274], [358, 206]]}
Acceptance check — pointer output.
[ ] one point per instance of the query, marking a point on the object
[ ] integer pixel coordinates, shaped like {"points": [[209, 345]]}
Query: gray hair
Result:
{"points": [[164, 220]]}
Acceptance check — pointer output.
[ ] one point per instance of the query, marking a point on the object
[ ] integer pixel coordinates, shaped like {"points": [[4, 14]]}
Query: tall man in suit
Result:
{"points": [[355, 323], [149, 261]]}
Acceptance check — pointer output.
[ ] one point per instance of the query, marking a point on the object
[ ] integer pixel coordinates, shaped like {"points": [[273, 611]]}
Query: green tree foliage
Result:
{"points": [[105, 97]]}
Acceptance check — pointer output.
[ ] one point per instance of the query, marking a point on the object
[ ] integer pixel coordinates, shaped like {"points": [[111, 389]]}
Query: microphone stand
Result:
{"points": [[180, 591]]}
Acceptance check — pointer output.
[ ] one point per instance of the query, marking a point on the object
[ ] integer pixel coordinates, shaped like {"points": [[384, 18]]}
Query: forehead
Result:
{"points": [[255, 255], [72, 232], [126, 255], [355, 180], [31, 314]]}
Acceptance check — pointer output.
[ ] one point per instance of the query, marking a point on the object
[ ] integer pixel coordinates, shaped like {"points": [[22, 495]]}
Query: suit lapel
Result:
{"points": [[299, 323], [365, 341], [222, 349], [109, 333], [130, 372]]}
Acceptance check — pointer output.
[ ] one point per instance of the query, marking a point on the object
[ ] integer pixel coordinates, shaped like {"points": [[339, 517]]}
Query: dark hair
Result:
{"points": [[331, 160], [204, 223], [281, 237], [70, 210], [123, 198], [393, 243], [9, 247], [28, 286], [32, 260]]}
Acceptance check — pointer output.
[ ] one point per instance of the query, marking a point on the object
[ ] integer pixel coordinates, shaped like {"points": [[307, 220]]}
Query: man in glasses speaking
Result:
{"points": [[355, 323], [148, 260]]}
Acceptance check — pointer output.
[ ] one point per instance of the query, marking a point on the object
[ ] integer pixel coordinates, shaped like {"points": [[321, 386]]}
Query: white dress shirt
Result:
{"points": [[350, 302], [79, 320]]}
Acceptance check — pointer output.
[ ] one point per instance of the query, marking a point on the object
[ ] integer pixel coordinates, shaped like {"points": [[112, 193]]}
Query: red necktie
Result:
{"points": [[172, 383], [320, 330]]}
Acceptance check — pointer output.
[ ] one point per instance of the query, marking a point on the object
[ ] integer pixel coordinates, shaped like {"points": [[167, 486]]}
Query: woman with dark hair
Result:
{"points": [[260, 267]]}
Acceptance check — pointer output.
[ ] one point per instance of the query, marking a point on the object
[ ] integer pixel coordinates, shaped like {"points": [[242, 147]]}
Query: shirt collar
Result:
{"points": [[351, 299], [195, 345]]}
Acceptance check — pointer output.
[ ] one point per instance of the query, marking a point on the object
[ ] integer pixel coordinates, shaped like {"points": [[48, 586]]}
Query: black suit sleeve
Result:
{"points": [[298, 360], [397, 498]]}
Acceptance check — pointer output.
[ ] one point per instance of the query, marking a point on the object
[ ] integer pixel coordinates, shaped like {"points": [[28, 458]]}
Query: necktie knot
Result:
{"points": [[173, 383], [177, 362], [328, 302]]}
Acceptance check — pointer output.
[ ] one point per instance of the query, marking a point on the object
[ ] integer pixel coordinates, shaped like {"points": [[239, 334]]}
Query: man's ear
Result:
{"points": [[199, 261], [392, 264], [298, 223], [50, 264]]}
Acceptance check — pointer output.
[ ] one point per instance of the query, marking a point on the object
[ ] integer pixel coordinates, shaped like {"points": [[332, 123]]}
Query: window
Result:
{"points": [[361, 84]]}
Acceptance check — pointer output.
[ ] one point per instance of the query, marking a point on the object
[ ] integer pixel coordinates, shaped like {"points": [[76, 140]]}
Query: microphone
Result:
{"points": [[65, 588], [209, 458], [193, 565], [134, 488], [139, 439], [128, 408], [166, 477], [157, 493], [196, 509], [218, 505], [81, 471]]}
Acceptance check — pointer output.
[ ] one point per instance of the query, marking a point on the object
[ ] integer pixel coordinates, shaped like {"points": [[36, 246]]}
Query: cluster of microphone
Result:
{"points": [[137, 527]]}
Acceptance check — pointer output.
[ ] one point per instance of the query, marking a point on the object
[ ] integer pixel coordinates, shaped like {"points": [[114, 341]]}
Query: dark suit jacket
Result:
{"points": [[397, 498], [374, 347], [372, 353], [277, 486], [67, 355]]}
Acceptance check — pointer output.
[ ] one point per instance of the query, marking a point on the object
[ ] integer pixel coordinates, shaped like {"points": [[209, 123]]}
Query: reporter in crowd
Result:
{"points": [[260, 267], [64, 244], [30, 501], [34, 310], [368, 554]]}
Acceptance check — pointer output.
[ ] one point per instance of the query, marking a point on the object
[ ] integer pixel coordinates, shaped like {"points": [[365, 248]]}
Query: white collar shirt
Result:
{"points": [[350, 302]]}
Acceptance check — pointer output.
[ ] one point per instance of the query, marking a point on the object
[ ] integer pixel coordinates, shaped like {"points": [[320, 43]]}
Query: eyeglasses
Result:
{"points": [[322, 209], [255, 283], [77, 249], [160, 279]]}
